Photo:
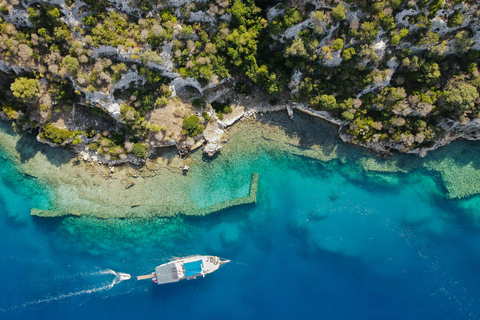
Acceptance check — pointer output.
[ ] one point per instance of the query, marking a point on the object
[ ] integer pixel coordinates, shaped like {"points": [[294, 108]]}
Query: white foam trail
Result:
{"points": [[76, 293]]}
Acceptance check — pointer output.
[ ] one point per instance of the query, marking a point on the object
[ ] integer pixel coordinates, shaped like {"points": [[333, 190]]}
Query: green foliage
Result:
{"points": [[93, 146], [339, 12], [463, 41], [460, 96], [71, 64], [290, 18], [243, 88], [140, 150], [318, 18], [55, 134], [153, 127], [430, 38], [455, 19], [326, 102], [199, 103], [25, 89], [337, 44], [369, 31], [206, 116], [118, 69], [347, 116], [348, 53], [192, 126], [222, 107]]}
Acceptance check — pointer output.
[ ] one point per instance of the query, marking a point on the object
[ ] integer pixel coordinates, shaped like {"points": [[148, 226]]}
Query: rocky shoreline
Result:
{"points": [[161, 187]]}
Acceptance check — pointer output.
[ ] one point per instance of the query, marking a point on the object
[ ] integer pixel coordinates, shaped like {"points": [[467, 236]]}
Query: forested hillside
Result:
{"points": [[401, 74]]}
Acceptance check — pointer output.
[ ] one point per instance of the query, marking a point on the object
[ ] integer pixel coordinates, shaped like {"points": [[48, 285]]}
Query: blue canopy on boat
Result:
{"points": [[193, 268]]}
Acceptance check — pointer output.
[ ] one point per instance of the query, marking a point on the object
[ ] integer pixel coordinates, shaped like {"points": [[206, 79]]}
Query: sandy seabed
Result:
{"points": [[160, 188]]}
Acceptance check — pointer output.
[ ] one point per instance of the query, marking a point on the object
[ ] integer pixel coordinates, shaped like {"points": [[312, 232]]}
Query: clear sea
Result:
{"points": [[324, 241]]}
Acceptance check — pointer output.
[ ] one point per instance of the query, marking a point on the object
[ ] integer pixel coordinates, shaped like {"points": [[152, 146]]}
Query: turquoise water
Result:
{"points": [[324, 240]]}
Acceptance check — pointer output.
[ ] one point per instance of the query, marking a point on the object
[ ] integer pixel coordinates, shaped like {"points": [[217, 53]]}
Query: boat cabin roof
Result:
{"points": [[193, 268]]}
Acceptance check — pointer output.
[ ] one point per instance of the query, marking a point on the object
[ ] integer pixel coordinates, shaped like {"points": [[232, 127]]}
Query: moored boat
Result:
{"points": [[185, 268]]}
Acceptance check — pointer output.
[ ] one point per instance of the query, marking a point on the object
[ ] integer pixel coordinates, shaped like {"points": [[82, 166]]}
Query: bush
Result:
{"points": [[337, 44], [140, 150], [93, 146], [339, 12], [348, 54], [199, 103], [206, 116], [244, 88], [54, 134], [192, 125], [455, 19], [347, 116], [220, 107], [25, 89], [71, 64]]}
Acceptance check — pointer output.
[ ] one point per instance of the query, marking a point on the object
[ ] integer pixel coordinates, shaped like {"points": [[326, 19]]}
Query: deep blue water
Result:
{"points": [[324, 241]]}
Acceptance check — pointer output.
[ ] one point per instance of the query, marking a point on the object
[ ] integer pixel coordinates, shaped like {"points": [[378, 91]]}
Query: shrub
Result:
{"points": [[339, 12], [337, 44], [347, 116], [199, 103], [206, 116], [55, 134], [71, 64], [244, 88], [25, 89], [192, 125], [140, 150], [455, 19], [348, 54], [93, 146]]}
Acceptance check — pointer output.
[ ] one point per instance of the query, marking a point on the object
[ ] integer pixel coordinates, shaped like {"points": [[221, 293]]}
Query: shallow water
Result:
{"points": [[326, 239]]}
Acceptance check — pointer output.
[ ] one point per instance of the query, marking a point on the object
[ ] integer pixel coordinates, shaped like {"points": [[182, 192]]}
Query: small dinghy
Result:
{"points": [[123, 276]]}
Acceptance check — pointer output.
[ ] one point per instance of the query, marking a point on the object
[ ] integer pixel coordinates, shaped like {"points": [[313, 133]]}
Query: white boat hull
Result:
{"points": [[187, 268]]}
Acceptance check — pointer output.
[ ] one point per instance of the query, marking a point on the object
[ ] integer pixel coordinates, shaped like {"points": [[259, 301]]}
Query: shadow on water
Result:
{"points": [[308, 130], [47, 225], [232, 214], [27, 147]]}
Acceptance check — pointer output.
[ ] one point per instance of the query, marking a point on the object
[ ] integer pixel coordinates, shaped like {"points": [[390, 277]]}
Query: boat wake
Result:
{"points": [[106, 285]]}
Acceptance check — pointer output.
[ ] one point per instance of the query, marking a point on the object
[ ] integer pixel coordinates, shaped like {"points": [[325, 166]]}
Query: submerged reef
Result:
{"points": [[81, 188]]}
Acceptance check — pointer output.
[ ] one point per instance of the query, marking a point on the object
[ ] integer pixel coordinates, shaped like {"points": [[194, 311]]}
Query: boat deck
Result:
{"points": [[147, 276]]}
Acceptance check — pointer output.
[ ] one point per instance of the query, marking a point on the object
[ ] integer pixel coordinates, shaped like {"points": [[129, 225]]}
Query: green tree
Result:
{"points": [[429, 39], [348, 53], [347, 116], [460, 96], [463, 41], [296, 49], [318, 17], [192, 125], [337, 44], [339, 12], [327, 102], [455, 19], [25, 89], [369, 31], [55, 134], [71, 64], [140, 150]]}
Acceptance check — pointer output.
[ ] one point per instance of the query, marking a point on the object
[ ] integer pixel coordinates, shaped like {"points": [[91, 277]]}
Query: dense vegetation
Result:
{"points": [[392, 72]]}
